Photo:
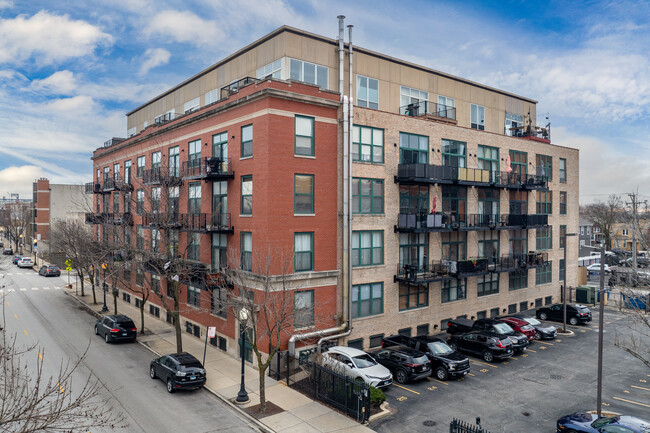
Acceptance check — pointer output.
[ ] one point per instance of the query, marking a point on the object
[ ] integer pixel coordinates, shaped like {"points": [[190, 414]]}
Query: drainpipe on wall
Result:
{"points": [[350, 138]]}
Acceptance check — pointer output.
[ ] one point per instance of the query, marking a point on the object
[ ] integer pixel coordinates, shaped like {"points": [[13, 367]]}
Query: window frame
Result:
{"points": [[245, 143], [357, 234], [485, 287], [563, 172], [476, 112], [194, 296], [407, 293], [544, 273], [246, 178], [312, 138], [404, 146], [358, 302], [548, 165], [446, 288], [563, 202], [310, 252], [297, 194], [544, 205], [374, 183], [357, 136], [246, 260], [544, 238], [448, 157], [310, 322], [367, 102]]}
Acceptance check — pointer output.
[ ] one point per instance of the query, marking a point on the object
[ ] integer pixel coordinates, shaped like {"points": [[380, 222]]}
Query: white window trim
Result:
{"points": [[192, 105]]}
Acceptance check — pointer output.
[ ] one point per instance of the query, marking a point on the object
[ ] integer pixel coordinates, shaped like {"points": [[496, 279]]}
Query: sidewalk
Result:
{"points": [[300, 413]]}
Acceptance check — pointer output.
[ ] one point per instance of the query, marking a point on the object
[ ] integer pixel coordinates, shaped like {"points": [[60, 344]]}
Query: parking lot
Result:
{"points": [[528, 392]]}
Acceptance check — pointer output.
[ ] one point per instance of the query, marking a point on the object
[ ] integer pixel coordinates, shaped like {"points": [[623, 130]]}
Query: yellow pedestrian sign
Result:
{"points": [[68, 265]]}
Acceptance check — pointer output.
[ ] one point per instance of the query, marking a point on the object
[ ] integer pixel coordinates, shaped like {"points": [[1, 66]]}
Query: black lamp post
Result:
{"points": [[242, 395], [104, 288]]}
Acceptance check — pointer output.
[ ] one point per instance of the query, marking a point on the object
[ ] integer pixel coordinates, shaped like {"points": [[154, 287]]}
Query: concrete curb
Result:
{"points": [[385, 410], [253, 422], [568, 333]]}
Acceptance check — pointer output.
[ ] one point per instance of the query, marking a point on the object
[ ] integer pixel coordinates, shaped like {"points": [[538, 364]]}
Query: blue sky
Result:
{"points": [[70, 71]]}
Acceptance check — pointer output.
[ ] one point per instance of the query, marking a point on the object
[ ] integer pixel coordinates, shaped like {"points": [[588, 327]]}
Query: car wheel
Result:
{"points": [[538, 335], [571, 431], [152, 372], [401, 376], [441, 373], [573, 321], [96, 331], [453, 347], [543, 316], [106, 339], [488, 356], [170, 386]]}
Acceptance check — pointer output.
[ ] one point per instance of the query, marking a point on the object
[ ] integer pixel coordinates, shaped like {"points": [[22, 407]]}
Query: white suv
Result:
{"points": [[357, 364]]}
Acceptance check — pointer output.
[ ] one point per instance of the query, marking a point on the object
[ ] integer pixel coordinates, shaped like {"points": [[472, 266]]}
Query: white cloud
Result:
{"points": [[59, 83], [18, 179], [154, 57], [183, 26], [47, 38], [6, 4]]}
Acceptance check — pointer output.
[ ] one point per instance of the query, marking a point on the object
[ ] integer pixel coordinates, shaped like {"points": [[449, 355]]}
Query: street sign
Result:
{"points": [[68, 265], [212, 331]]}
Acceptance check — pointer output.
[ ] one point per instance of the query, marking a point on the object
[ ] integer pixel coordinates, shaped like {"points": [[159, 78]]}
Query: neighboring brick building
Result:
{"points": [[267, 157]]}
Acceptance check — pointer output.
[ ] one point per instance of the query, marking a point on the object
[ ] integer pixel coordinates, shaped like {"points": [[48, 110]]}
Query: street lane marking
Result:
{"points": [[558, 340], [626, 391], [544, 342], [16, 316], [531, 350], [60, 387], [640, 387], [25, 332], [402, 398], [46, 288], [436, 380], [23, 290], [471, 374], [642, 380], [406, 389], [35, 288], [57, 288], [483, 363], [630, 401], [484, 370], [432, 388]]}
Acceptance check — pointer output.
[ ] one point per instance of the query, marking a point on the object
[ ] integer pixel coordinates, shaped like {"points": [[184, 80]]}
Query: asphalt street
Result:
{"points": [[38, 312]]}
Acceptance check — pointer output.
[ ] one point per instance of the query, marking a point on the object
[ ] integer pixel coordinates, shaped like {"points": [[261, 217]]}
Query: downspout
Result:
{"points": [[309, 335], [350, 138], [346, 259]]}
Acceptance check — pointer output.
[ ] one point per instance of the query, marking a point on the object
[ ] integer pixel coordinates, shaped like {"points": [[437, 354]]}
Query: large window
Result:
{"points": [[194, 198], [155, 199], [155, 240], [127, 172], [246, 141], [413, 149], [562, 170], [477, 117], [488, 245], [514, 122], [139, 237], [367, 144], [304, 136], [139, 201], [303, 309], [367, 248], [518, 202], [519, 162], [413, 296], [156, 159], [219, 251], [220, 145], [414, 199], [211, 96], [273, 70], [367, 196], [193, 296], [220, 202], [544, 273], [545, 202], [454, 200], [367, 299], [563, 199], [414, 250], [411, 98], [173, 204], [446, 107], [303, 194], [488, 202], [140, 167], [367, 92], [454, 290], [191, 105], [453, 153], [487, 284], [308, 72], [303, 252], [545, 238], [194, 247], [518, 242], [194, 153], [562, 236], [545, 166], [518, 279], [246, 195], [246, 246], [488, 159], [219, 302], [454, 245]]}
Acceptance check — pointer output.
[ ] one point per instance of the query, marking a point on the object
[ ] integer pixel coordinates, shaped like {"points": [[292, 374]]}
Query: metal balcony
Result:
{"points": [[515, 221], [513, 262], [425, 273], [120, 218], [206, 223], [210, 168], [109, 185], [430, 110], [426, 174], [96, 218], [536, 182], [161, 176], [161, 220]]}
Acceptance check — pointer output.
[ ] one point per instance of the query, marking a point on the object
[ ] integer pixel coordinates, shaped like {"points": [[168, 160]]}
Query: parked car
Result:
{"points": [[640, 261], [575, 313], [445, 362], [25, 262], [542, 331], [7, 251], [595, 267], [50, 270], [178, 371], [405, 364], [16, 259], [487, 345], [494, 326], [358, 365], [116, 328], [581, 422], [520, 325]]}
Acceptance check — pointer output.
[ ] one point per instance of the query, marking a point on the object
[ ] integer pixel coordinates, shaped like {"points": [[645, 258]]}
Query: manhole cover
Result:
{"points": [[429, 423], [556, 376]]}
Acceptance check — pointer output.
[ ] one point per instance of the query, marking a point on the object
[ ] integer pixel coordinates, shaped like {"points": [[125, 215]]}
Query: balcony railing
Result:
{"points": [[483, 221], [233, 88], [208, 168], [533, 181], [427, 222], [524, 221], [425, 173], [161, 220], [119, 218], [203, 222], [439, 270], [532, 133], [428, 109], [96, 218], [92, 187], [161, 175], [109, 185]]}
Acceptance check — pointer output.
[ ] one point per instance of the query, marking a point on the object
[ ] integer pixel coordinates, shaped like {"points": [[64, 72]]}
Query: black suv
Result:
{"points": [[485, 344], [116, 328], [445, 362], [500, 329], [575, 313], [178, 371], [406, 364]]}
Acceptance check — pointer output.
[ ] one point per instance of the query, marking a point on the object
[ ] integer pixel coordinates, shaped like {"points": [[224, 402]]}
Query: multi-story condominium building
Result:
{"points": [[404, 196]]}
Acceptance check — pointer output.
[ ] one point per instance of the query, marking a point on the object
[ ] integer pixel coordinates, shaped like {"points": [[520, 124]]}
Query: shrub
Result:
{"points": [[377, 396]]}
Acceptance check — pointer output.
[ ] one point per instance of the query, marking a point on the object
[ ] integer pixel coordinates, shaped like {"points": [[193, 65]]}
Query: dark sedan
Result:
{"points": [[575, 313], [542, 331], [405, 363], [178, 371], [50, 271], [486, 345], [116, 328], [581, 422]]}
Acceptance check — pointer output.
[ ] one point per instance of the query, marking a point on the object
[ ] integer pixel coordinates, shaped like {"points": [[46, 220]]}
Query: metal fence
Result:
{"points": [[336, 390], [458, 426]]}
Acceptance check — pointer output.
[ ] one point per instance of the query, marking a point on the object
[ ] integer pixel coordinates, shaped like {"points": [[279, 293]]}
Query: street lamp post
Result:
{"points": [[104, 288], [566, 235], [242, 395], [601, 292]]}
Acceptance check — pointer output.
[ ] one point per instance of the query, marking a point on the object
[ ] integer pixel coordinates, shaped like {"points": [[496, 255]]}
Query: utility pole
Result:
{"points": [[634, 202]]}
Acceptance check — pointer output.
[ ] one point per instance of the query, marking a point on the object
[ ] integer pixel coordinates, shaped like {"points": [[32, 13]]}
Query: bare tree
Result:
{"points": [[15, 218], [636, 339], [74, 239], [604, 215]]}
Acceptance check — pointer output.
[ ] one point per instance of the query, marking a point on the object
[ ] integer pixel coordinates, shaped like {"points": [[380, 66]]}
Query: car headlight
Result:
{"points": [[180, 373], [450, 366]]}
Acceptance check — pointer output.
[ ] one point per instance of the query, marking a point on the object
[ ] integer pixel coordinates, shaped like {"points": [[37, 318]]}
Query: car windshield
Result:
{"points": [[439, 348], [363, 361], [502, 328], [604, 421], [527, 327], [533, 321]]}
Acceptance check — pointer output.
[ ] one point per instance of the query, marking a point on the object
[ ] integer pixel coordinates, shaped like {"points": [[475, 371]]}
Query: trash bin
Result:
{"points": [[605, 298]]}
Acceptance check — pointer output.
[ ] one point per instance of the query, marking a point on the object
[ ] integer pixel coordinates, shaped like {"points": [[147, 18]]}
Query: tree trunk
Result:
{"points": [[262, 371], [177, 320], [115, 292], [142, 318], [92, 284], [81, 275]]}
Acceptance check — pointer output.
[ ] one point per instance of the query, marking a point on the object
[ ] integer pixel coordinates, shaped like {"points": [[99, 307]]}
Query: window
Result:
{"points": [[155, 240], [454, 245], [512, 308], [246, 195], [625, 232], [155, 199], [194, 247], [446, 107], [518, 202], [127, 172], [545, 166], [194, 153], [139, 201], [193, 296], [562, 236], [303, 194], [273, 69], [116, 202], [375, 340], [488, 159], [563, 198], [139, 277], [131, 131], [367, 248], [454, 290], [562, 270], [367, 196], [453, 153], [357, 343], [140, 167], [518, 279], [523, 306], [545, 238], [211, 96], [367, 92], [303, 252], [219, 251], [413, 102], [413, 296], [481, 314], [414, 199], [494, 312], [562, 170], [304, 136], [545, 202], [194, 198], [413, 250], [247, 141], [308, 72], [519, 242], [487, 284], [139, 237], [488, 203], [513, 121], [404, 331], [519, 162], [303, 309], [413, 149], [454, 200], [367, 299], [422, 329], [220, 145], [246, 246], [367, 144], [444, 324], [155, 284], [544, 273], [116, 172], [191, 105], [477, 120], [488, 245], [155, 160], [218, 302], [173, 203]]}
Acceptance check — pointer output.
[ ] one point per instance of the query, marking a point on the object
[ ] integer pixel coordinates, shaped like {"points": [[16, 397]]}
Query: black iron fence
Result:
{"points": [[459, 426]]}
